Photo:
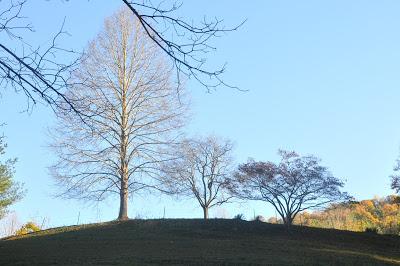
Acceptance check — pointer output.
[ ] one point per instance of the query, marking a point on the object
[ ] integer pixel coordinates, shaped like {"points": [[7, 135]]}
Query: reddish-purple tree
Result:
{"points": [[295, 184]]}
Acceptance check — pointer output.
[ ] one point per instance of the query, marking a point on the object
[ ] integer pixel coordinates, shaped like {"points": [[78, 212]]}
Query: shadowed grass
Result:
{"points": [[197, 242]]}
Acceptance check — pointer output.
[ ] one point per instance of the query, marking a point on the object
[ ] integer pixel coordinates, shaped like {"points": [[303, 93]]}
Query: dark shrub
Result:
{"points": [[239, 216], [371, 230], [259, 218]]}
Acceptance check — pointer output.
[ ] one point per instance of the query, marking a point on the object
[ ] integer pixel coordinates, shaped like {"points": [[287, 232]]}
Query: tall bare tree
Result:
{"points": [[133, 112], [201, 170], [295, 184]]}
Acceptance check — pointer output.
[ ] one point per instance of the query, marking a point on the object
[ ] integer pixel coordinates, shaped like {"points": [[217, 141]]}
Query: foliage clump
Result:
{"points": [[10, 191], [27, 228], [379, 214]]}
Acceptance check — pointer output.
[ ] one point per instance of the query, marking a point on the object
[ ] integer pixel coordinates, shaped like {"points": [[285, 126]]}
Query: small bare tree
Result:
{"points": [[133, 114], [9, 224], [395, 184], [296, 184], [201, 170]]}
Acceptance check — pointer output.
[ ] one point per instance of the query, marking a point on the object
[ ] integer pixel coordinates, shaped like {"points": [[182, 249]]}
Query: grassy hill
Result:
{"points": [[195, 242]]}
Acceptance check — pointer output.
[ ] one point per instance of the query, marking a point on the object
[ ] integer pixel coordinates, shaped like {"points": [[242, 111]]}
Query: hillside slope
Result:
{"points": [[195, 242]]}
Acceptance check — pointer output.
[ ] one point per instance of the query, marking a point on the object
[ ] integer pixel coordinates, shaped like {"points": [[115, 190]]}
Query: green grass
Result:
{"points": [[197, 242]]}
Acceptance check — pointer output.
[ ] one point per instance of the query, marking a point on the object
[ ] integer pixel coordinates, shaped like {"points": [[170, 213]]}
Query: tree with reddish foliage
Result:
{"points": [[295, 184]]}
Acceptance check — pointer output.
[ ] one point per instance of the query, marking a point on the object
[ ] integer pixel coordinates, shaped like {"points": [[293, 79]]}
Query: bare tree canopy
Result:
{"points": [[134, 115], [41, 76], [295, 184], [34, 71], [186, 43], [201, 170]]}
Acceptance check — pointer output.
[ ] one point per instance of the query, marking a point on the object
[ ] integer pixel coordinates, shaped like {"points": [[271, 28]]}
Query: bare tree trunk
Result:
{"points": [[123, 193], [123, 204], [288, 223], [123, 208], [205, 211]]}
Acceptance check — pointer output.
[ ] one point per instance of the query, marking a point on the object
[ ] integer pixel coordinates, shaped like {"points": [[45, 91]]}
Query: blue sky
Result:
{"points": [[323, 79]]}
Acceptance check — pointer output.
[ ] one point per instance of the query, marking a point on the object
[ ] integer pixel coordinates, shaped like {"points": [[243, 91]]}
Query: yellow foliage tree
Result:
{"points": [[380, 214], [27, 228]]}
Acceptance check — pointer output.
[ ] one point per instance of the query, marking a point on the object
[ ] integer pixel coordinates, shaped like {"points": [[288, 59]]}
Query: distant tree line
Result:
{"points": [[380, 215]]}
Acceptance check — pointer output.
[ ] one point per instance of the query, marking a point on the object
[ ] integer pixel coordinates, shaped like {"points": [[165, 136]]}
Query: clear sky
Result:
{"points": [[323, 78]]}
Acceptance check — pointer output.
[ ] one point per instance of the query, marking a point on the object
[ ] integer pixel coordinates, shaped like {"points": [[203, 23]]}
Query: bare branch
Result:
{"points": [[185, 43], [34, 71]]}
